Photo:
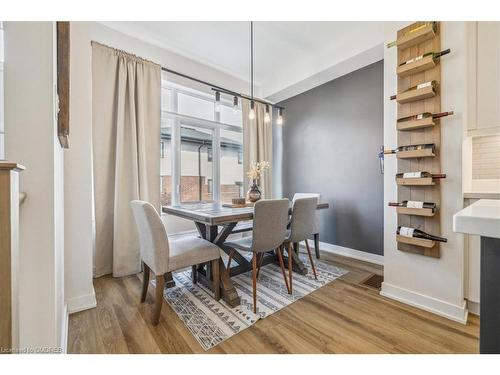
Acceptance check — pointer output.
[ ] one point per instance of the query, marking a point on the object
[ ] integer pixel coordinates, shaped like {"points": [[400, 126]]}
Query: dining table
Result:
{"points": [[215, 222]]}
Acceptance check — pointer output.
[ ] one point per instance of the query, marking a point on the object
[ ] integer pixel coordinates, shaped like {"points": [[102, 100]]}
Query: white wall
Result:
{"points": [[78, 166], [78, 179], [31, 140], [436, 285]]}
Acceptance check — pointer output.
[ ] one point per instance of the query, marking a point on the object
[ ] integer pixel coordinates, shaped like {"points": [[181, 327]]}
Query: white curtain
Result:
{"points": [[258, 144], [126, 114]]}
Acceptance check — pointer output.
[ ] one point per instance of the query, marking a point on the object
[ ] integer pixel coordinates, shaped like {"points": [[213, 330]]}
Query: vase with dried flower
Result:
{"points": [[255, 173]]}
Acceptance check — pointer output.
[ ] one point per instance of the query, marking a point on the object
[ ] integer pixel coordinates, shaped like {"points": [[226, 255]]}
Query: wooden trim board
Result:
{"points": [[9, 254], [63, 81], [419, 132]]}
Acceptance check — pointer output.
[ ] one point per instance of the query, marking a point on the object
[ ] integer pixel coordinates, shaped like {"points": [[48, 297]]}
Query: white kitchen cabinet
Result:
{"points": [[473, 261], [484, 77], [474, 246]]}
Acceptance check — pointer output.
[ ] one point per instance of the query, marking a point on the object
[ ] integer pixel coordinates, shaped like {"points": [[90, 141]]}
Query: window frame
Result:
{"points": [[179, 120]]}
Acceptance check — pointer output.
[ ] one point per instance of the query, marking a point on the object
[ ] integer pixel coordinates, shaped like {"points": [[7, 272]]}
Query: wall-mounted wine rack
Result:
{"points": [[415, 40]]}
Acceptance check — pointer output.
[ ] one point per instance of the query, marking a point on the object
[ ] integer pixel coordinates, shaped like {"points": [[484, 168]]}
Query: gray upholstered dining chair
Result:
{"points": [[315, 231], [270, 219], [301, 227], [161, 254]]}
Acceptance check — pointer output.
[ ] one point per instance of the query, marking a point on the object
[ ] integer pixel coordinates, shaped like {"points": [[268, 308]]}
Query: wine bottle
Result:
{"points": [[420, 175], [432, 84], [435, 56], [423, 115], [411, 31], [431, 146], [417, 233], [414, 204]]}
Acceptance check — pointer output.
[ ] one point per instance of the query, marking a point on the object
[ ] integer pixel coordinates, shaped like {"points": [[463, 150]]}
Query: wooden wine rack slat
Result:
{"points": [[420, 242], [407, 39], [415, 211], [425, 181], [419, 132], [416, 66], [424, 153], [426, 245], [416, 124], [414, 95]]}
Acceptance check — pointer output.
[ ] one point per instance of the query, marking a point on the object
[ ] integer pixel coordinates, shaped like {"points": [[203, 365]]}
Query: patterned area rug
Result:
{"points": [[212, 322]]}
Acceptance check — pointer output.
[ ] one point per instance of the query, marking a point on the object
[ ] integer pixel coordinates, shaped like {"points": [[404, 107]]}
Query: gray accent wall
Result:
{"points": [[330, 142]]}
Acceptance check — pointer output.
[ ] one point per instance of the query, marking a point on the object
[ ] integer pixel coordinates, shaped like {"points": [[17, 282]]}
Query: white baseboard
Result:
{"points": [[351, 253], [80, 303], [433, 305], [474, 307], [64, 329]]}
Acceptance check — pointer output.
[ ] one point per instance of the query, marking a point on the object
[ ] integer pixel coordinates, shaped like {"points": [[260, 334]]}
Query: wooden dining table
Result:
{"points": [[215, 222]]}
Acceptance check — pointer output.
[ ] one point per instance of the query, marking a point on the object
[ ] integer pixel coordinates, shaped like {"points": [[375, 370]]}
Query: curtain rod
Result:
{"points": [[218, 88]]}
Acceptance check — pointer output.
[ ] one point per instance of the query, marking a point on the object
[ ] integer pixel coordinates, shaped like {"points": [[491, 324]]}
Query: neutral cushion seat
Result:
{"points": [[301, 226], [310, 195], [186, 251], [163, 254], [244, 244]]}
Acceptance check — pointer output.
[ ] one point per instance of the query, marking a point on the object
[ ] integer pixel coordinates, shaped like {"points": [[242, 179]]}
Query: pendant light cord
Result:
{"points": [[251, 59]]}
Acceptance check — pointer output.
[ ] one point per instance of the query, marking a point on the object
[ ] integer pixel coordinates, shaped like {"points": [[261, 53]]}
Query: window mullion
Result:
{"points": [[176, 152], [216, 160]]}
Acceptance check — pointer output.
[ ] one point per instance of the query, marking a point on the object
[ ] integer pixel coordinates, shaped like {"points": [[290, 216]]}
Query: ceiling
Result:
{"points": [[285, 52]]}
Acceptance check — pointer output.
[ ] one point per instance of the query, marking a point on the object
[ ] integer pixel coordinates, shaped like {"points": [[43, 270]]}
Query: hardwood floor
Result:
{"points": [[342, 317]]}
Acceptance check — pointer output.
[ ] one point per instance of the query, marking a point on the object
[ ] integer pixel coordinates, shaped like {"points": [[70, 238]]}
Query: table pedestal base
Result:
{"points": [[489, 339]]}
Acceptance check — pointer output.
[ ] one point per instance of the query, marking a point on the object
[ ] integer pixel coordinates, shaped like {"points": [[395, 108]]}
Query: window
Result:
{"points": [[196, 168], [231, 170], [201, 150]]}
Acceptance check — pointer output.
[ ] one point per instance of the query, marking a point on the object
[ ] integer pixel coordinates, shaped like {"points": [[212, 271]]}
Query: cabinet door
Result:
{"points": [[488, 75]]}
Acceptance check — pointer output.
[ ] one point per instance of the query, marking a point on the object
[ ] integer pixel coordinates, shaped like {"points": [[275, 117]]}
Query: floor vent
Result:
{"points": [[374, 281]]}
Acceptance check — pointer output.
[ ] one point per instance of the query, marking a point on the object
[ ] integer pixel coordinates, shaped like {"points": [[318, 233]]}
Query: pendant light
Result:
{"points": [[217, 101], [236, 105], [279, 121], [267, 116], [251, 113]]}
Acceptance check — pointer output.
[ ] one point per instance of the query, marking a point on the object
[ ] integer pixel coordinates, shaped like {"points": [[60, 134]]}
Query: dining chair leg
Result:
{"points": [[216, 278], [254, 281], [261, 257], [316, 244], [194, 274], [311, 260], [290, 266], [160, 285], [279, 252], [145, 281]]}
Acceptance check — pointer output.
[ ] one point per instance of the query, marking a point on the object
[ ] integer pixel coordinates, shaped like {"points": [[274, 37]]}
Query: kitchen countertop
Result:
{"points": [[482, 195], [480, 218]]}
